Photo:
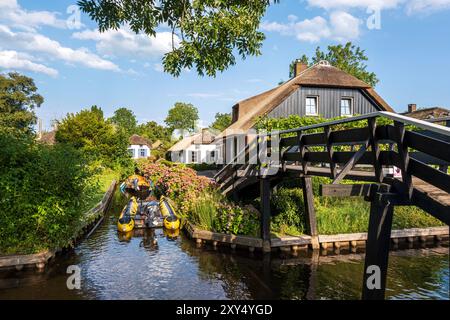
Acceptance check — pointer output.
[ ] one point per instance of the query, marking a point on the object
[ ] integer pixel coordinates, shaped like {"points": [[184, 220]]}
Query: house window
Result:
{"points": [[311, 106], [194, 157], [142, 153], [131, 152], [213, 154], [346, 107]]}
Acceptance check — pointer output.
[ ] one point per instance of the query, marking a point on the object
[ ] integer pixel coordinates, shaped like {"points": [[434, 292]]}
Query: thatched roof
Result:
{"points": [[156, 144], [138, 140], [318, 75], [429, 113], [203, 137]]}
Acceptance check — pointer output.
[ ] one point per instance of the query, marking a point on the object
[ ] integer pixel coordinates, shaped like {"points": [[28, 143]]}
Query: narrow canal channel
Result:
{"points": [[114, 267]]}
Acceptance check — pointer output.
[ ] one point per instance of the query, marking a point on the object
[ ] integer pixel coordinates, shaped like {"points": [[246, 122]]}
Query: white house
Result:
{"points": [[197, 148], [139, 147]]}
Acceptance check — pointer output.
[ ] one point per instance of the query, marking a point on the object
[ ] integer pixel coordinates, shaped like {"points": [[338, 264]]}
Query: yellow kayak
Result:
{"points": [[171, 234], [171, 221], [126, 218]]}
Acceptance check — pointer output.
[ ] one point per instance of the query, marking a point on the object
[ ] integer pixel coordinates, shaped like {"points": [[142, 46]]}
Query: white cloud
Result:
{"points": [[13, 60], [312, 30], [411, 6], [11, 12], [339, 4], [344, 26], [341, 26], [35, 42], [427, 6], [124, 42]]}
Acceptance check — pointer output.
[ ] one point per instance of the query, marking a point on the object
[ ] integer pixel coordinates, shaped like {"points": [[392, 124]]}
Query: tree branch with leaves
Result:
{"points": [[207, 34]]}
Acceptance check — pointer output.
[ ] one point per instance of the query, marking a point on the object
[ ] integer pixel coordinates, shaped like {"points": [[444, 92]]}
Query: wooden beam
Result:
{"points": [[264, 185], [351, 163], [377, 250], [302, 152], [432, 146], [349, 136], [308, 198], [425, 202], [372, 123], [345, 190], [402, 149], [429, 174], [327, 131]]}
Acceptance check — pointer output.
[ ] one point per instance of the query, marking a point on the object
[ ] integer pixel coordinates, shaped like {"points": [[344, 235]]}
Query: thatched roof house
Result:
{"points": [[197, 148], [426, 113], [322, 86], [138, 140], [139, 147]]}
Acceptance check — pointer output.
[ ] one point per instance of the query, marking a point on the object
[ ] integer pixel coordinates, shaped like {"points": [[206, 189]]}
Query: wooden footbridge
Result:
{"points": [[360, 148]]}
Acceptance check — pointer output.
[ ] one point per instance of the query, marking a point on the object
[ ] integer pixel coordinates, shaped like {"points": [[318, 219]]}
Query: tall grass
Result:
{"points": [[204, 211], [337, 215]]}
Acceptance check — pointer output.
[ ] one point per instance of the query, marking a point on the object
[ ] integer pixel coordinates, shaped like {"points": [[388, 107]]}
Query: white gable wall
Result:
{"points": [[138, 151], [202, 154]]}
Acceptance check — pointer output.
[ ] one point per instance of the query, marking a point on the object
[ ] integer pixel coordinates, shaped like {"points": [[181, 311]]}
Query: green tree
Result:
{"points": [[98, 139], [206, 34], [125, 120], [18, 99], [222, 121], [182, 116], [348, 57], [153, 131]]}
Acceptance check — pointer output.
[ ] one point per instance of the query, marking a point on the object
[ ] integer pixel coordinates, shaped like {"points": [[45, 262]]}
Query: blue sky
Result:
{"points": [[75, 67]]}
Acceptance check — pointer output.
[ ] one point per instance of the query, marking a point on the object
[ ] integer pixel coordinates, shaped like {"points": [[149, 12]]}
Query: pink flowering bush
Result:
{"points": [[198, 199], [176, 181]]}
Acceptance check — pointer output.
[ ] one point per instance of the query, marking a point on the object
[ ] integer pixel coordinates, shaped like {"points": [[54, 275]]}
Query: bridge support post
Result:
{"points": [[264, 187], [310, 212], [377, 249]]}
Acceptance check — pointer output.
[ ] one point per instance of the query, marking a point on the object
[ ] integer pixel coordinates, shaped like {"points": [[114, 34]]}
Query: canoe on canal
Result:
{"points": [[136, 186]]}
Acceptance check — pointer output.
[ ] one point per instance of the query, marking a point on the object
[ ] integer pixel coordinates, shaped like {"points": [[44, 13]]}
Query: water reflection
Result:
{"points": [[153, 264]]}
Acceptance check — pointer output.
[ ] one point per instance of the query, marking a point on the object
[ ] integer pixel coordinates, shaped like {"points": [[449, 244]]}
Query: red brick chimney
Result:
{"points": [[412, 107], [299, 67]]}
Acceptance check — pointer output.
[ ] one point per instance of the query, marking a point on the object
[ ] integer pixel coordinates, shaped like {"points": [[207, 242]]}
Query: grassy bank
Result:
{"points": [[337, 215]]}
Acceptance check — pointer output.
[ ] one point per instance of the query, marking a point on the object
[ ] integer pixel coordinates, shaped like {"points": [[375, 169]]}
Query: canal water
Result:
{"points": [[138, 267]]}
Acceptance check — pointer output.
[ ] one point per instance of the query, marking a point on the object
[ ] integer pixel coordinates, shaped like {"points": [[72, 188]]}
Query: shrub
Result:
{"points": [[233, 219], [288, 210], [44, 190]]}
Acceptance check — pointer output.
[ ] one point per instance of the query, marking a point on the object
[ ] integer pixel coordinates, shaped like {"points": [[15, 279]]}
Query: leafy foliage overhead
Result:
{"points": [[206, 34], [348, 57], [18, 99]]}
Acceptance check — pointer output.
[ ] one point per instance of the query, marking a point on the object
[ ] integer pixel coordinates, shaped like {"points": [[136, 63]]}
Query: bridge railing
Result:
{"points": [[372, 144], [340, 149]]}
